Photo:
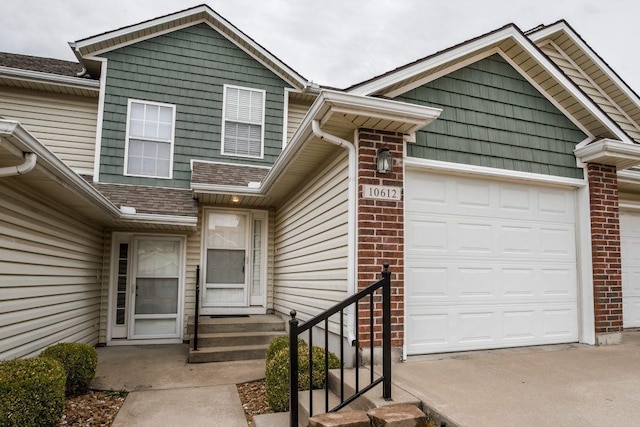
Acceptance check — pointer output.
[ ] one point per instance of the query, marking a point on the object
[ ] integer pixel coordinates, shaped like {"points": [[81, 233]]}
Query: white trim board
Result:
{"points": [[504, 174]]}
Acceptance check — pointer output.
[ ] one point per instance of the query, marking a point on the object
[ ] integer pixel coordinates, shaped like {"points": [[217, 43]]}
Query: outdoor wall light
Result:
{"points": [[384, 160]]}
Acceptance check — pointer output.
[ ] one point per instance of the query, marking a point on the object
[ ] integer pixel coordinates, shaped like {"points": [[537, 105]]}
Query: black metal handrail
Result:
{"points": [[295, 330], [195, 322]]}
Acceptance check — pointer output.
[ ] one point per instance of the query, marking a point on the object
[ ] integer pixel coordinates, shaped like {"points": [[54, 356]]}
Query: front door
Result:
{"points": [[147, 287], [234, 253]]}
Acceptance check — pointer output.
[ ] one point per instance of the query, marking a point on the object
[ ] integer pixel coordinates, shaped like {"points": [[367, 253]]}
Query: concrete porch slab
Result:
{"points": [[161, 367], [564, 385]]}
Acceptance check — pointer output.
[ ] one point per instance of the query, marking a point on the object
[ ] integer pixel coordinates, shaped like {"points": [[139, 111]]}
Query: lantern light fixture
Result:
{"points": [[384, 160]]}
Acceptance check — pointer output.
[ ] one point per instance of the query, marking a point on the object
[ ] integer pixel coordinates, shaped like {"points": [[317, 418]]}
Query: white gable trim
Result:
{"points": [[215, 21], [438, 60], [563, 27], [487, 42]]}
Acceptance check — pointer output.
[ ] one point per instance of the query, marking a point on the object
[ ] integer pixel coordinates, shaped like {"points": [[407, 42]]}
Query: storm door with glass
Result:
{"points": [[146, 287], [156, 288], [234, 251]]}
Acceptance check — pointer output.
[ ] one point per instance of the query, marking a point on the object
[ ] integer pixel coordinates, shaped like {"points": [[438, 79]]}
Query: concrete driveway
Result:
{"points": [[166, 391], [564, 385]]}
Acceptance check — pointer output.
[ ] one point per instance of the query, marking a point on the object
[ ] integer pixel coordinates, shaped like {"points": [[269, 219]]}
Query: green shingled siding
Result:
{"points": [[186, 68], [492, 116]]}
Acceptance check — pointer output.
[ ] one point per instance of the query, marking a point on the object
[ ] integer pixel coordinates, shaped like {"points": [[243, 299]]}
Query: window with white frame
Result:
{"points": [[243, 122], [150, 135]]}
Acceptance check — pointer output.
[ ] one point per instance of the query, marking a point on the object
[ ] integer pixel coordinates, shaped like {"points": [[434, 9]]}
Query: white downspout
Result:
{"points": [[28, 165], [351, 221]]}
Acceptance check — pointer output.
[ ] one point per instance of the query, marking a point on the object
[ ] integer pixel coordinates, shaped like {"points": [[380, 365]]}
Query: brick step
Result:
{"points": [[228, 339], [227, 353], [259, 323]]}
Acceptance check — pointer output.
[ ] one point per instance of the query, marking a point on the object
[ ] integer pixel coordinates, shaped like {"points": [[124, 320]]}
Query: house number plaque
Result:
{"points": [[381, 192]]}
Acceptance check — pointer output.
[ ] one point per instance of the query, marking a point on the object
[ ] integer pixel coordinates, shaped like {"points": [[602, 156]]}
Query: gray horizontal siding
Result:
{"points": [[50, 265], [65, 124], [310, 262], [187, 68], [492, 116]]}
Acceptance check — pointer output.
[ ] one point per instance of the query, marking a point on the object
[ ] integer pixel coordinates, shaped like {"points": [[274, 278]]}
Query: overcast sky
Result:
{"points": [[335, 42]]}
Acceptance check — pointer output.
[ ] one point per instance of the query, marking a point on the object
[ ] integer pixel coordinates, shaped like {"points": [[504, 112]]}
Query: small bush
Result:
{"points": [[79, 361], [277, 373], [277, 344], [31, 392]]}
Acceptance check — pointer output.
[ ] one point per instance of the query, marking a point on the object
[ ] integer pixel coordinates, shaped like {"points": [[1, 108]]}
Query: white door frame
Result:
{"points": [[125, 335], [586, 316], [255, 303]]}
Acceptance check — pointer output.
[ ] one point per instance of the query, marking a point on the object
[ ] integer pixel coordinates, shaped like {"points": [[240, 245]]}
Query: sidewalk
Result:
{"points": [[166, 391]]}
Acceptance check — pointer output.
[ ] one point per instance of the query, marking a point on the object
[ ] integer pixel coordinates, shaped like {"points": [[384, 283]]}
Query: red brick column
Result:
{"points": [[605, 241], [380, 232]]}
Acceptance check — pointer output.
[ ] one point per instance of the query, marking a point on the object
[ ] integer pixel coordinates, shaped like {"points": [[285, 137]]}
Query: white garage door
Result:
{"points": [[488, 264], [630, 241]]}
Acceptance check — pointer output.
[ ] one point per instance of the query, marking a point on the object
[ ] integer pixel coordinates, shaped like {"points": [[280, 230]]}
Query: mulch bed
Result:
{"points": [[95, 408], [254, 399]]}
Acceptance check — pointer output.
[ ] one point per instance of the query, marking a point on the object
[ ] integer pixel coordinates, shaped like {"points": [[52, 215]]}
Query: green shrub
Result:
{"points": [[79, 361], [277, 374], [31, 392], [278, 343]]}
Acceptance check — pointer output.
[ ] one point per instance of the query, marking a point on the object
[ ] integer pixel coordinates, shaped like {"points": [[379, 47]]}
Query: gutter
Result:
{"points": [[22, 140], [351, 221], [26, 167], [49, 78]]}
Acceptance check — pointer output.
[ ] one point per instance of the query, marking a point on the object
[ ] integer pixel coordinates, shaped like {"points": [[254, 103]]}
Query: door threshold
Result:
{"points": [[121, 342]]}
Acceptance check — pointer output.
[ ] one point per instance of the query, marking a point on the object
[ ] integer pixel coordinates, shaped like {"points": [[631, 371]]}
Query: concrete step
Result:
{"points": [[373, 398], [254, 323], [228, 339], [318, 398], [227, 353]]}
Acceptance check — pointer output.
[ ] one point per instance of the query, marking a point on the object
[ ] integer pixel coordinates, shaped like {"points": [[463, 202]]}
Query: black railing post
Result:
{"points": [[195, 323], [293, 370], [386, 333]]}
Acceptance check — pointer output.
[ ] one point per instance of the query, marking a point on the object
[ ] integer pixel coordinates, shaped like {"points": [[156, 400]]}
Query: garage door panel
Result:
{"points": [[466, 282], [486, 198], [488, 264], [433, 235], [482, 327], [630, 252]]}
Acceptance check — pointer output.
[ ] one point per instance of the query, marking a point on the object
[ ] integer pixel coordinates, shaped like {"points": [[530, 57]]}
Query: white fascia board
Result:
{"points": [[176, 220], [575, 38], [342, 102], [482, 43], [49, 78], [226, 189], [346, 103], [438, 60], [610, 152], [227, 29], [216, 162], [29, 144], [459, 168]]}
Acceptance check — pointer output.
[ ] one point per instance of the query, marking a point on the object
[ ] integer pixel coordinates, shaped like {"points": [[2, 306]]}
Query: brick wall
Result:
{"points": [[605, 240], [380, 232]]}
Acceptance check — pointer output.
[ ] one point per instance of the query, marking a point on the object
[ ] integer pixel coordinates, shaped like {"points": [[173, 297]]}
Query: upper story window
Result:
{"points": [[243, 122], [150, 135]]}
